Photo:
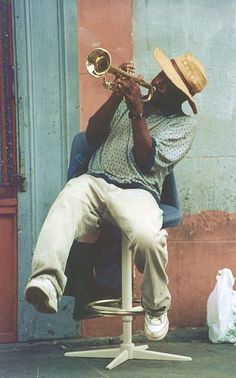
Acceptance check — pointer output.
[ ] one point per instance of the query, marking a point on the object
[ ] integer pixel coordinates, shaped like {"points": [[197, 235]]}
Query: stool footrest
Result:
{"points": [[101, 308]]}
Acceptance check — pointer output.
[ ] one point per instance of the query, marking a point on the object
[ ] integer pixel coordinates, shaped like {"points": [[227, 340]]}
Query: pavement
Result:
{"points": [[46, 359]]}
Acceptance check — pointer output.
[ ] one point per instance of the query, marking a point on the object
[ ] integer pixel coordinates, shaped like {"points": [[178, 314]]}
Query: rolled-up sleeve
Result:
{"points": [[173, 143]]}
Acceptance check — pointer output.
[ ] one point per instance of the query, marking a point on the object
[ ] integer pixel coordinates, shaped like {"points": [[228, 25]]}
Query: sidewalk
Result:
{"points": [[46, 359]]}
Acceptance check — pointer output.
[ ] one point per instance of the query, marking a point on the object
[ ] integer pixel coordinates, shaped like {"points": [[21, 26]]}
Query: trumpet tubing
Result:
{"points": [[98, 64]]}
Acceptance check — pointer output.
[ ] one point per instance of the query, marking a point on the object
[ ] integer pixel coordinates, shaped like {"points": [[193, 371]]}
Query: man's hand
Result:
{"points": [[126, 67], [99, 124], [130, 90]]}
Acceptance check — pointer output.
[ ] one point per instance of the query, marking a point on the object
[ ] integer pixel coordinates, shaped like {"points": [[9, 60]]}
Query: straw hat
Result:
{"points": [[186, 73]]}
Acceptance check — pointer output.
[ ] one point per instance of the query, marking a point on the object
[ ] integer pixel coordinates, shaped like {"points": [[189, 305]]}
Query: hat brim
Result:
{"points": [[167, 66]]}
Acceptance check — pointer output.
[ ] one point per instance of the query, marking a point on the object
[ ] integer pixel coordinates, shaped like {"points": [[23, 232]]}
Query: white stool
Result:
{"points": [[127, 350]]}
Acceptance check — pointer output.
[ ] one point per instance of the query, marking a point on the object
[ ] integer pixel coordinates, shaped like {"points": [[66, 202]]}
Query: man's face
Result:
{"points": [[166, 91], [158, 79], [162, 83]]}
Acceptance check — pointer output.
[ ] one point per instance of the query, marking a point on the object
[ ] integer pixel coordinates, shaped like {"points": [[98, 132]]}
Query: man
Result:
{"points": [[135, 146]]}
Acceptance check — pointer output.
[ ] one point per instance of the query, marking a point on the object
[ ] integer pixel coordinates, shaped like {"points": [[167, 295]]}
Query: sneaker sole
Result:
{"points": [[160, 336], [40, 300]]}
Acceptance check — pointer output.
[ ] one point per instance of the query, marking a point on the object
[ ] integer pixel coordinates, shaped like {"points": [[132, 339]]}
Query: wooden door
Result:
{"points": [[47, 118], [8, 201]]}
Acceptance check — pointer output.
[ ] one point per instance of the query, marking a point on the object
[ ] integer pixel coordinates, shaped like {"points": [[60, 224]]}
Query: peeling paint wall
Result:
{"points": [[107, 24], [207, 177]]}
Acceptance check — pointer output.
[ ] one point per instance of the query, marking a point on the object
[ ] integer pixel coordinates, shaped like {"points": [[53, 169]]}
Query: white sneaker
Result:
{"points": [[156, 328], [41, 293]]}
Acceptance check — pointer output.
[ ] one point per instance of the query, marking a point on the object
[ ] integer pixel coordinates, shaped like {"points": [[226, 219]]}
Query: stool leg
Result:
{"points": [[127, 350], [127, 292], [122, 357], [126, 347]]}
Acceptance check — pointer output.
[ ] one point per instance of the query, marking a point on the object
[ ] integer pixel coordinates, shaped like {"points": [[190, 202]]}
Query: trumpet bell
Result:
{"points": [[98, 62]]}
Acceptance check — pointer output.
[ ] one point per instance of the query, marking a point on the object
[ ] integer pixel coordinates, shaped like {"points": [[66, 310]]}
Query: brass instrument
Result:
{"points": [[98, 64]]}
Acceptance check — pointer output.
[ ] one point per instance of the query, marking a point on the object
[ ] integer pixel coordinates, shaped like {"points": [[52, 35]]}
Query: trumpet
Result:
{"points": [[98, 64]]}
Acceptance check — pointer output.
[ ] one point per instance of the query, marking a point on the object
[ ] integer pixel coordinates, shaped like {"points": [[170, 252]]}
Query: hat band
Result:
{"points": [[181, 76]]}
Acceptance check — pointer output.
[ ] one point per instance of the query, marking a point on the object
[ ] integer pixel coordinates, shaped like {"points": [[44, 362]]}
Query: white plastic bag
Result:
{"points": [[221, 309]]}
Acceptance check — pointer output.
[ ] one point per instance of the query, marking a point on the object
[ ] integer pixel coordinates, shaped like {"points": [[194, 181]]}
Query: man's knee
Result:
{"points": [[149, 239], [75, 186]]}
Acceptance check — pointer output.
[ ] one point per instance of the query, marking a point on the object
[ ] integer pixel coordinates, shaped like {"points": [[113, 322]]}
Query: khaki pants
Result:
{"points": [[83, 206]]}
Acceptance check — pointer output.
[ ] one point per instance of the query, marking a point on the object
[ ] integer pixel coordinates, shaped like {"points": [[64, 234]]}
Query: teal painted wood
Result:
{"points": [[47, 118], [207, 177]]}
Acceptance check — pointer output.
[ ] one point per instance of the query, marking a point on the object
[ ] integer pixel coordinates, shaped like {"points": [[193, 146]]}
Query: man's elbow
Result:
{"points": [[143, 165], [95, 137]]}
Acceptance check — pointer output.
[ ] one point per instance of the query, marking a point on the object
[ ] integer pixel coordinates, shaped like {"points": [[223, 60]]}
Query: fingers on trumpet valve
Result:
{"points": [[130, 67], [119, 85], [127, 67]]}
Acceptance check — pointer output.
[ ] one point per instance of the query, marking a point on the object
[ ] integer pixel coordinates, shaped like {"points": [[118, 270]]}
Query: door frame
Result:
{"points": [[8, 181]]}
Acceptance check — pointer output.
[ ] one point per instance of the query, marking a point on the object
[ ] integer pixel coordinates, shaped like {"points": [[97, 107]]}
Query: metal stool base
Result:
{"points": [[127, 352]]}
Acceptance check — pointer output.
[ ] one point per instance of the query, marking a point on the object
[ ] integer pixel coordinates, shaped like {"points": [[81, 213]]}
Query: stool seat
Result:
{"points": [[171, 215]]}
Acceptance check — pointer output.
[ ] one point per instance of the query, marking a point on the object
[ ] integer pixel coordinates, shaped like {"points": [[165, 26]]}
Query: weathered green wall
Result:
{"points": [[207, 177]]}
